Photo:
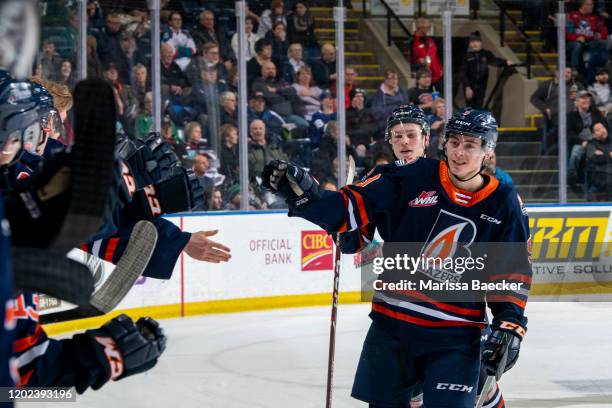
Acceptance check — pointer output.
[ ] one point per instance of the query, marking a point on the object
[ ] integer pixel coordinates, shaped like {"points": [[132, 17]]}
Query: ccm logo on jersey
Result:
{"points": [[454, 387], [425, 199], [490, 219]]}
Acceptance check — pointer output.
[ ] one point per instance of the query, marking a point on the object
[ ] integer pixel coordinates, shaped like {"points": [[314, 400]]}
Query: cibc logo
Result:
{"points": [[317, 251]]}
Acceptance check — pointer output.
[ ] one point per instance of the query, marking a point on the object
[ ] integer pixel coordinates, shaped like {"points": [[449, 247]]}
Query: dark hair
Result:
{"points": [[261, 43], [421, 72], [602, 123], [172, 13]]}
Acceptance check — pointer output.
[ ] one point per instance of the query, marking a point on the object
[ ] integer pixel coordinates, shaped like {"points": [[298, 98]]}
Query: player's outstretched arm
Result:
{"points": [[203, 249]]}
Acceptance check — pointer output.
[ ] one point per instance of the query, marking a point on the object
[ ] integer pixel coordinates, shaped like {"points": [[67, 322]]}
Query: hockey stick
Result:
{"points": [[129, 268], [334, 312], [492, 379]]}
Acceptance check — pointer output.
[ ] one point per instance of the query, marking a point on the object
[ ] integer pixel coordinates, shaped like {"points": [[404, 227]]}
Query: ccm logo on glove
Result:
{"points": [[115, 361]]}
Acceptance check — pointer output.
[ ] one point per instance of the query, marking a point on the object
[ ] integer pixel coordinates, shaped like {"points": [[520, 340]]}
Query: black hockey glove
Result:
{"points": [[148, 162], [181, 191], [501, 350], [117, 350], [291, 182]]}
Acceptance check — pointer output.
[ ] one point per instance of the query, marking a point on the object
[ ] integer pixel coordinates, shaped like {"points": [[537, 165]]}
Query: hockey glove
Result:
{"points": [[291, 182], [117, 350], [501, 350]]}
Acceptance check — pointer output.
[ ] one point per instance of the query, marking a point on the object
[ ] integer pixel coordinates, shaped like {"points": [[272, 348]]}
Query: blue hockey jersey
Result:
{"points": [[417, 203]]}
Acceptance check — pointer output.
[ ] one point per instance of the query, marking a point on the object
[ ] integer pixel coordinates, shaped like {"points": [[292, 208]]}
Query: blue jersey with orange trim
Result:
{"points": [[6, 287], [417, 203]]}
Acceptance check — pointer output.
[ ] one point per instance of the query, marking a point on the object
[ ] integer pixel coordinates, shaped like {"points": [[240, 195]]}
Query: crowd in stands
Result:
{"points": [[291, 88]]}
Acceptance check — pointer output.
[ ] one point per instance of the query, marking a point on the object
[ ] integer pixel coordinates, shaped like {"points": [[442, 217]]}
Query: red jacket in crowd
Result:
{"points": [[588, 26], [424, 47]]}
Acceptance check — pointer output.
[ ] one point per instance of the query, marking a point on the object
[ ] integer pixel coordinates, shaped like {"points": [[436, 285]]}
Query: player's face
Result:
{"points": [[465, 155], [10, 149], [407, 141]]}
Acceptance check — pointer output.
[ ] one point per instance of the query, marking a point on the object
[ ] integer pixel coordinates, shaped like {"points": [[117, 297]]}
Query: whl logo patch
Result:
{"points": [[425, 199]]}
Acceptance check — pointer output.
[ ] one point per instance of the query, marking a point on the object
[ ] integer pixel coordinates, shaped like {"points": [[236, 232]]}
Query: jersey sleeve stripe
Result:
{"points": [[344, 226], [363, 214], [25, 378], [443, 306], [28, 342], [110, 249], [512, 276], [421, 322], [507, 298]]}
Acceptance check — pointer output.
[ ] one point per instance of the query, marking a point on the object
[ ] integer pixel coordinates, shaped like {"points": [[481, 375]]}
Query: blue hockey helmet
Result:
{"points": [[474, 123], [407, 114], [19, 122]]}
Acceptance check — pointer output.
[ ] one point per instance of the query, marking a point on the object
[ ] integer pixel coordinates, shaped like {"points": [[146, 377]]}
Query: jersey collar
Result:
{"points": [[462, 197]]}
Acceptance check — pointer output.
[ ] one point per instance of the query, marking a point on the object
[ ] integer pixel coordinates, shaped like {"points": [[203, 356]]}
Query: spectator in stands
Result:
{"points": [[228, 103], [294, 63], [194, 143], [109, 48], [129, 58], [181, 41], [494, 170], [206, 32], [215, 202], [170, 135], [389, 96], [275, 14], [280, 45], [437, 121], [602, 91], [324, 68], [95, 69], [208, 59], [50, 60], [324, 155], [280, 96], [126, 101], [360, 122], [308, 93], [141, 84], [546, 99], [251, 39], [350, 78], [599, 164], [65, 74], [263, 54], [230, 163], [383, 158], [300, 28], [144, 120], [475, 71], [586, 36], [260, 152], [233, 198], [257, 110], [200, 166], [174, 82], [95, 15], [423, 93], [257, 7], [425, 51], [321, 118], [205, 92], [579, 122]]}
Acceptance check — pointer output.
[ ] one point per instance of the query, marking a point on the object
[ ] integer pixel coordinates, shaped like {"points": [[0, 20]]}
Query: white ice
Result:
{"points": [[279, 359]]}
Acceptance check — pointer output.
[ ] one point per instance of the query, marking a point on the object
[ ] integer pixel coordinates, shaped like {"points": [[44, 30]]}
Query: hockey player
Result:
{"points": [[408, 147], [414, 338]]}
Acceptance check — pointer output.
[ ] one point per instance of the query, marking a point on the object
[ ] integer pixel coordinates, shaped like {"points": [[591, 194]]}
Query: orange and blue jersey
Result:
{"points": [[418, 203]]}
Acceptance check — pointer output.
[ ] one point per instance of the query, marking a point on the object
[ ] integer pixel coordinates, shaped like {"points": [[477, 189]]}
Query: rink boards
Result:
{"points": [[280, 262]]}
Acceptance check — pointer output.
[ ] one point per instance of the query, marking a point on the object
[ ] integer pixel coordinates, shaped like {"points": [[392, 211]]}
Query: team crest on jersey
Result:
{"points": [[450, 237], [425, 199]]}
